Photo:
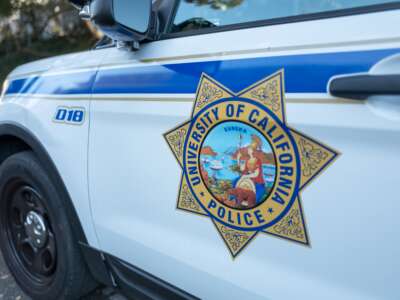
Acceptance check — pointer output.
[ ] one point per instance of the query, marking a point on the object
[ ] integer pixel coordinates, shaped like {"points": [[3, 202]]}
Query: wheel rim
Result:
{"points": [[30, 232]]}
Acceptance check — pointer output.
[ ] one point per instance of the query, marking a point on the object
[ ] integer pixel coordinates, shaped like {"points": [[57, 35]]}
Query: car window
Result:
{"points": [[197, 14]]}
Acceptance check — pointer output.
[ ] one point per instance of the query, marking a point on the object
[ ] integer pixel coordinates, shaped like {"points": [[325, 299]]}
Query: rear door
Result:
{"points": [[350, 211]]}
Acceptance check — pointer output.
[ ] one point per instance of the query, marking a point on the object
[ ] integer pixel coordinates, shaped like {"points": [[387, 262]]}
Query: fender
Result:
{"points": [[15, 138]]}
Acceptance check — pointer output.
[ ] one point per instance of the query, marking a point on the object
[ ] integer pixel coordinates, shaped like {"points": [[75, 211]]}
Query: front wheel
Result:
{"points": [[35, 236]]}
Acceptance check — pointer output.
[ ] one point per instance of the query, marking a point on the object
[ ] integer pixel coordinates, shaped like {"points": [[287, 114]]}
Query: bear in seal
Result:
{"points": [[243, 197]]}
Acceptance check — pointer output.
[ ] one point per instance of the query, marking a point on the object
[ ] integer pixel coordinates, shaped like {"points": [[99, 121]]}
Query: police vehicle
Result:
{"points": [[209, 129]]}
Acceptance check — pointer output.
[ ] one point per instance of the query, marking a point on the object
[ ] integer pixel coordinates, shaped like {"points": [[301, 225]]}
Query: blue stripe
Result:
{"points": [[64, 84], [308, 73]]}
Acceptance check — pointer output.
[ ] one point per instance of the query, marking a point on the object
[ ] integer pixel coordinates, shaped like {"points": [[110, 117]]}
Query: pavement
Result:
{"points": [[9, 289]]}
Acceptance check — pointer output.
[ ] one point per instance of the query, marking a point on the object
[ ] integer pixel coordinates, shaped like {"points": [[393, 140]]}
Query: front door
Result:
{"points": [[350, 210]]}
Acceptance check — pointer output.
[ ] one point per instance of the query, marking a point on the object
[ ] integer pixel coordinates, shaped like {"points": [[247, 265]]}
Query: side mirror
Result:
{"points": [[128, 21]]}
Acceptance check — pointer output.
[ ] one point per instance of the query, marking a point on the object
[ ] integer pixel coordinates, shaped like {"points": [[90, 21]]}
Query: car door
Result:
{"points": [[350, 210]]}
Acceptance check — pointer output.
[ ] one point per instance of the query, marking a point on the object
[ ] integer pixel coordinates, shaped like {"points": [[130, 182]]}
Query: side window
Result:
{"points": [[197, 14]]}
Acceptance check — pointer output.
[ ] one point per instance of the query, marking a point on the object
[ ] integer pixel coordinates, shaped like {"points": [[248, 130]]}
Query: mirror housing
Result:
{"points": [[116, 18]]}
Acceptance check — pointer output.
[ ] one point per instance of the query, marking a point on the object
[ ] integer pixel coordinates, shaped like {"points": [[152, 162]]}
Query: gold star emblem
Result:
{"points": [[242, 165]]}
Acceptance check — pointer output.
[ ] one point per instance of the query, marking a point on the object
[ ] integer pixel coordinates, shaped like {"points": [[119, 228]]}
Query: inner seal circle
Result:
{"points": [[237, 164], [280, 199]]}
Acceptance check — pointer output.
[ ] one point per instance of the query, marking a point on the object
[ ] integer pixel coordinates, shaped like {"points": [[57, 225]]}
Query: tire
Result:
{"points": [[36, 238]]}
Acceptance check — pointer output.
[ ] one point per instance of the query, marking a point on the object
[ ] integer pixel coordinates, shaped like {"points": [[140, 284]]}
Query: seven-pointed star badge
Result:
{"points": [[242, 165]]}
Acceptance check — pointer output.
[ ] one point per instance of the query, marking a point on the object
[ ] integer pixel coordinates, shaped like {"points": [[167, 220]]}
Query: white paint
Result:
{"points": [[350, 209], [133, 178]]}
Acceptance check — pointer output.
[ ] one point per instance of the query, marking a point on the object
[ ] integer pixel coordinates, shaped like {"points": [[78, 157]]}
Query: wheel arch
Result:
{"points": [[15, 138]]}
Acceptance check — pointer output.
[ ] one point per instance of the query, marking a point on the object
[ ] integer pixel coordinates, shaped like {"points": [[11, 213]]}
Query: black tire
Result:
{"points": [[29, 201]]}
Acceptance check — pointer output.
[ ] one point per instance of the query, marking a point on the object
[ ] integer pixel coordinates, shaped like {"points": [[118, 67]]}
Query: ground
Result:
{"points": [[9, 290]]}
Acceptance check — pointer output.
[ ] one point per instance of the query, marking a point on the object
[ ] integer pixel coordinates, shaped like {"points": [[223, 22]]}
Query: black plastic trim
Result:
{"points": [[285, 20], [97, 264], [138, 284], [361, 86], [164, 10]]}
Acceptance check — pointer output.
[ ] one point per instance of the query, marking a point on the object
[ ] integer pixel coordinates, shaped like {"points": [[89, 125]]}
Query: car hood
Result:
{"points": [[62, 63]]}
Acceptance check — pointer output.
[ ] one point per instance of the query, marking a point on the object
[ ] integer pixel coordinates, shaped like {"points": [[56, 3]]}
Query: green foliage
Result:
{"points": [[34, 29], [5, 8], [235, 168], [51, 47]]}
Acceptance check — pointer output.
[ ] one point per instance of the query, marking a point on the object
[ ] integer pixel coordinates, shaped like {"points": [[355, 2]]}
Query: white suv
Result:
{"points": [[149, 164]]}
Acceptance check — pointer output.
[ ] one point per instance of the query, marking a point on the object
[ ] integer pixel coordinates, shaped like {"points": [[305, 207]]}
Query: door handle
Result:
{"points": [[382, 79], [361, 86]]}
